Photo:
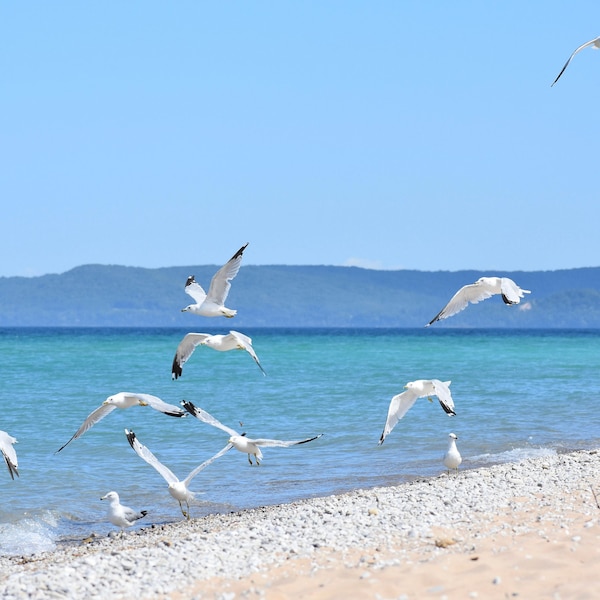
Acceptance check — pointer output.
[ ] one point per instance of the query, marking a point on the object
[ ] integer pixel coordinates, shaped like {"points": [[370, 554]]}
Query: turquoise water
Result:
{"points": [[517, 394]]}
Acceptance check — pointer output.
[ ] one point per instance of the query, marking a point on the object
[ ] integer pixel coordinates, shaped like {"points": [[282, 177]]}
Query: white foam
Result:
{"points": [[513, 455], [29, 535]]}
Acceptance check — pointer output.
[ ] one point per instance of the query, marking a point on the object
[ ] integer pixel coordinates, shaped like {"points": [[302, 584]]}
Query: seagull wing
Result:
{"points": [[157, 404], [511, 292], [221, 281], [91, 420], [8, 453], [133, 515], [185, 350], [593, 42], [203, 416], [282, 443], [206, 463], [146, 455], [442, 391], [399, 406], [473, 293], [195, 290], [245, 343]]}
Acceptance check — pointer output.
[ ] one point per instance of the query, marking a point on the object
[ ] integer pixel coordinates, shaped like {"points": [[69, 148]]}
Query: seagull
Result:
{"points": [[213, 303], [452, 458], [178, 489], [233, 341], [119, 515], [482, 289], [125, 400], [239, 441], [595, 43], [8, 453], [421, 388]]}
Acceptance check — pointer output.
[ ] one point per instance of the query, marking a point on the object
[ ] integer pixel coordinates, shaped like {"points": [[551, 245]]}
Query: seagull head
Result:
{"points": [[111, 496], [452, 436]]}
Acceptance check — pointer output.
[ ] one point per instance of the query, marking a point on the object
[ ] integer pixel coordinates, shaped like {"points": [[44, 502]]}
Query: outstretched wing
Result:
{"points": [[206, 463], [91, 420], [282, 443], [195, 290], [473, 293], [590, 43], [221, 281], [146, 455], [184, 350], [203, 416], [442, 391], [8, 453], [245, 343], [399, 406], [157, 404]]}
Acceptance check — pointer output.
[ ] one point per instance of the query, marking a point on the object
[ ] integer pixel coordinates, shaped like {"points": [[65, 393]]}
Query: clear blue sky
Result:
{"points": [[386, 134]]}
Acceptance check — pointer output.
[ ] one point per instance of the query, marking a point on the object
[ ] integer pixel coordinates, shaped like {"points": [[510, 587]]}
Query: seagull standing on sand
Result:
{"points": [[233, 341], [125, 400], [9, 454], [119, 515], [178, 489], [595, 43], [213, 303], [482, 289], [452, 458], [421, 388], [240, 442]]}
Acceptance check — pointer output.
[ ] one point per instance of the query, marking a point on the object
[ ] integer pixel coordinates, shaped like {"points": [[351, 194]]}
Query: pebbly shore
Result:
{"points": [[447, 513]]}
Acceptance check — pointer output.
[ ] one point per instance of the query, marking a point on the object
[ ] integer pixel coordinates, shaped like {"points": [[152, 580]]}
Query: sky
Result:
{"points": [[381, 134]]}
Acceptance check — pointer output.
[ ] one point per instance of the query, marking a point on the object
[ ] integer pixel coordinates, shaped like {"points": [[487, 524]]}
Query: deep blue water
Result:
{"points": [[517, 393]]}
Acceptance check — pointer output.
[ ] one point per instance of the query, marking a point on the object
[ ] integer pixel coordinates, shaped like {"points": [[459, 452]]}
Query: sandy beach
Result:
{"points": [[524, 530]]}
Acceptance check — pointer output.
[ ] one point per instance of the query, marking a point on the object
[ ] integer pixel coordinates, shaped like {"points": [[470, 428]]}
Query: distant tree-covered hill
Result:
{"points": [[294, 296]]}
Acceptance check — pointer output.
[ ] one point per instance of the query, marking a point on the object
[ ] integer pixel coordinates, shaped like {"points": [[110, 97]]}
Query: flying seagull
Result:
{"points": [[239, 441], [595, 43], [178, 489], [125, 400], [421, 388], [8, 453], [232, 341], [452, 458], [482, 289], [213, 303], [119, 515]]}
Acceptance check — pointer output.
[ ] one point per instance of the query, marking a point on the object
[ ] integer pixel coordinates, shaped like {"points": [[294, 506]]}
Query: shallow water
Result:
{"points": [[517, 394]]}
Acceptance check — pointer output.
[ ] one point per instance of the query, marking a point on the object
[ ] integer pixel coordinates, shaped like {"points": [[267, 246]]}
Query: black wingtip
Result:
{"points": [[239, 252], [143, 512], [130, 437], [189, 407], [176, 369], [190, 280]]}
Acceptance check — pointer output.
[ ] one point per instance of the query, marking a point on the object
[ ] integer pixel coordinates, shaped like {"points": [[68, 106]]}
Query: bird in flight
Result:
{"points": [[213, 303]]}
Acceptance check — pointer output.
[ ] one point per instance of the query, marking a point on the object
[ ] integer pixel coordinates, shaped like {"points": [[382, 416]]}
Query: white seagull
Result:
{"points": [[421, 388], [239, 441], [232, 341], [482, 289], [213, 303], [178, 489], [119, 515], [595, 43], [125, 400], [452, 458], [8, 453]]}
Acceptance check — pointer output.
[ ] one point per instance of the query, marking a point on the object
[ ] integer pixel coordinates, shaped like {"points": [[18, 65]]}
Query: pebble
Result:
{"points": [[156, 561]]}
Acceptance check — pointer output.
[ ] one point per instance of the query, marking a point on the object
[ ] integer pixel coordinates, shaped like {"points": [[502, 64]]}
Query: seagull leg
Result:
{"points": [[249, 459]]}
